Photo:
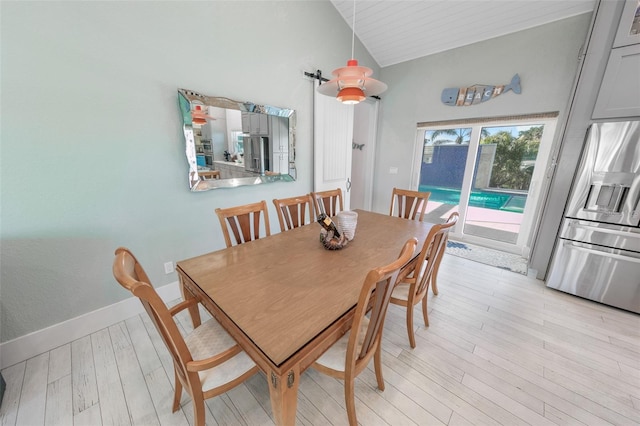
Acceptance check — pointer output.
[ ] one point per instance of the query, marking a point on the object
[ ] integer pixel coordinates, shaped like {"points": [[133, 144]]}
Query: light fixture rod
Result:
{"points": [[353, 33]]}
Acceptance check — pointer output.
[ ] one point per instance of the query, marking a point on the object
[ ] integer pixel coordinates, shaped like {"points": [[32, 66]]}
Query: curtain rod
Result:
{"points": [[483, 120], [316, 76]]}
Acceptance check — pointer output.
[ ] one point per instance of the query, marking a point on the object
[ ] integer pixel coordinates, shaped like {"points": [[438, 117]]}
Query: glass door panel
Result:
{"points": [[505, 163], [442, 170]]}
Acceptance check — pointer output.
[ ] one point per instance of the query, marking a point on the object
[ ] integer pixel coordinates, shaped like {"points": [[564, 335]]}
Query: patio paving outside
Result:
{"points": [[481, 222]]}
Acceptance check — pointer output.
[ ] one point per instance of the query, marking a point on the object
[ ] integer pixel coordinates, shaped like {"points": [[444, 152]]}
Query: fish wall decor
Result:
{"points": [[478, 93]]}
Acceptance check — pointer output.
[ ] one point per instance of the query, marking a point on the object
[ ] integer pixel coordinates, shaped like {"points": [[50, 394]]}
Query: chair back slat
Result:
{"points": [[244, 222], [294, 211], [328, 202], [237, 228], [410, 204]]}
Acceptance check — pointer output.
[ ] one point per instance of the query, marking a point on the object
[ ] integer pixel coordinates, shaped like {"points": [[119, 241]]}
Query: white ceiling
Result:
{"points": [[395, 31]]}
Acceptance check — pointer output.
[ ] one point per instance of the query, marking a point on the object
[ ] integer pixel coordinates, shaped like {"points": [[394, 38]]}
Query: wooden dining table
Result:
{"points": [[286, 299]]}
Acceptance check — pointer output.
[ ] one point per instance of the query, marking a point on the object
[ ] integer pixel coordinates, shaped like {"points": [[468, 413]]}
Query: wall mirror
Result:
{"points": [[230, 143]]}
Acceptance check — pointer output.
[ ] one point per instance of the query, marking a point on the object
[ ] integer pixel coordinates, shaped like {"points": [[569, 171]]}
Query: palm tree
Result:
{"points": [[461, 136]]}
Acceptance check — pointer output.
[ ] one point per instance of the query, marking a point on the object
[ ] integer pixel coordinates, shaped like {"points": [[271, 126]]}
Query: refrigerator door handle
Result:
{"points": [[577, 225], [575, 247]]}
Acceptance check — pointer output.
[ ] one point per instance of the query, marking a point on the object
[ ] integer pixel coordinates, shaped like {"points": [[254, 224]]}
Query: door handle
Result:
{"points": [[575, 247], [348, 184], [577, 225]]}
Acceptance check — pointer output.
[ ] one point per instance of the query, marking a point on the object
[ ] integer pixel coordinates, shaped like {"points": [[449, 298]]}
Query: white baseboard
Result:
{"points": [[30, 345]]}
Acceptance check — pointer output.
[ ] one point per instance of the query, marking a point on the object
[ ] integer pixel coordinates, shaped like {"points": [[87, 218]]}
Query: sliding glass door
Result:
{"points": [[442, 170], [492, 174]]}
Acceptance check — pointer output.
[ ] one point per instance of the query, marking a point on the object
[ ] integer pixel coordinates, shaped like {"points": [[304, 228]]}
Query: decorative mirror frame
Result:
{"points": [[188, 98]]}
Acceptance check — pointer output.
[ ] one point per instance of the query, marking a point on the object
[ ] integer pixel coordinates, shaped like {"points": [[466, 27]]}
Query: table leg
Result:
{"points": [[193, 310], [283, 390]]}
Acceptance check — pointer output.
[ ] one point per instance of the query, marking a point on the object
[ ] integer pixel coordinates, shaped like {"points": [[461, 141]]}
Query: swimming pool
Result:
{"points": [[510, 202]]}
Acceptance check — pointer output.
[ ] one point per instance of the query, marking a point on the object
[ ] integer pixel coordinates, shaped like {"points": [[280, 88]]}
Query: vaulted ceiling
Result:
{"points": [[395, 31]]}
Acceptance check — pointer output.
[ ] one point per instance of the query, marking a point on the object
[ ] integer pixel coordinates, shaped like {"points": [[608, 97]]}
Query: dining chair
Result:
{"points": [[328, 202], [207, 362], [350, 355], [294, 211], [412, 287], [210, 174], [410, 203], [244, 222]]}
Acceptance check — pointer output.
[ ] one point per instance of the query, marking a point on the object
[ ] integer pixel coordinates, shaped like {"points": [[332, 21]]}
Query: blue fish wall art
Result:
{"points": [[477, 93]]}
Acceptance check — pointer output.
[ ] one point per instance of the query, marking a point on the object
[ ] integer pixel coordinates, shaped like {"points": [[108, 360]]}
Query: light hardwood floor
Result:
{"points": [[501, 349]]}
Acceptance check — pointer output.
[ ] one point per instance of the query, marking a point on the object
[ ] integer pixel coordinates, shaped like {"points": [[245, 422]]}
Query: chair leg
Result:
{"points": [[178, 391], [377, 363], [434, 282], [198, 412], [349, 399], [425, 315], [412, 340]]}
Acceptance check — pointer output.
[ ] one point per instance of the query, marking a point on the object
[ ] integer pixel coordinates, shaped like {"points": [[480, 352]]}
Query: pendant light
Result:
{"points": [[198, 115], [352, 84]]}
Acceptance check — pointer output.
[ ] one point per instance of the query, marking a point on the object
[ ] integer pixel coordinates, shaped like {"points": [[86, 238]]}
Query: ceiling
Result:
{"points": [[395, 31]]}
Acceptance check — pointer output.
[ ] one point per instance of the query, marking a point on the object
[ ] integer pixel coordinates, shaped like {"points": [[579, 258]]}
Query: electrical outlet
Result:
{"points": [[168, 267]]}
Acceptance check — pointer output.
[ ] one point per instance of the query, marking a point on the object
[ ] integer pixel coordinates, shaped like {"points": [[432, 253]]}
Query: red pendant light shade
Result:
{"points": [[351, 95], [198, 116]]}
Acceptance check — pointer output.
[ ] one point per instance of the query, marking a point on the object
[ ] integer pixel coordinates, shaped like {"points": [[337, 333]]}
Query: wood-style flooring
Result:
{"points": [[501, 349]]}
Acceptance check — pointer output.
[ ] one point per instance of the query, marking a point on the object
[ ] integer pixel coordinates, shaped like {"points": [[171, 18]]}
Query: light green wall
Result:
{"points": [[545, 57], [92, 153]]}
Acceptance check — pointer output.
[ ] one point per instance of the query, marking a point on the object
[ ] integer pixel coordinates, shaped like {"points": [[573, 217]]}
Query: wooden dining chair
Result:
{"points": [[410, 204], [210, 174], [294, 211], [412, 287], [244, 222], [207, 362], [350, 355], [329, 202]]}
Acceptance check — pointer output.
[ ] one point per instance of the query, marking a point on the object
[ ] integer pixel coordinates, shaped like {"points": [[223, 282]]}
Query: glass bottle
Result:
{"points": [[328, 224]]}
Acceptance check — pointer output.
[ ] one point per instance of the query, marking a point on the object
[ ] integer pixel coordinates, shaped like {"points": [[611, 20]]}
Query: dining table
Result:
{"points": [[286, 299]]}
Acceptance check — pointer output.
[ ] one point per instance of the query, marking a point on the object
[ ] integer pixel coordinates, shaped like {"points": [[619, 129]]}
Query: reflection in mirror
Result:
{"points": [[231, 143]]}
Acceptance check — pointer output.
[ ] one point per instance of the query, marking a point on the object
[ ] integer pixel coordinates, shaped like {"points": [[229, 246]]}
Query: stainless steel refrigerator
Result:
{"points": [[597, 254], [256, 154]]}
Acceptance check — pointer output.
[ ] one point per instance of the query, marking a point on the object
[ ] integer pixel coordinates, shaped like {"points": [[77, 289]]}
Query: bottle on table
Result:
{"points": [[328, 224]]}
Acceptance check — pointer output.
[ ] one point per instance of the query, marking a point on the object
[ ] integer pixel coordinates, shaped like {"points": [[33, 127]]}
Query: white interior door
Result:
{"points": [[365, 124], [333, 135]]}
